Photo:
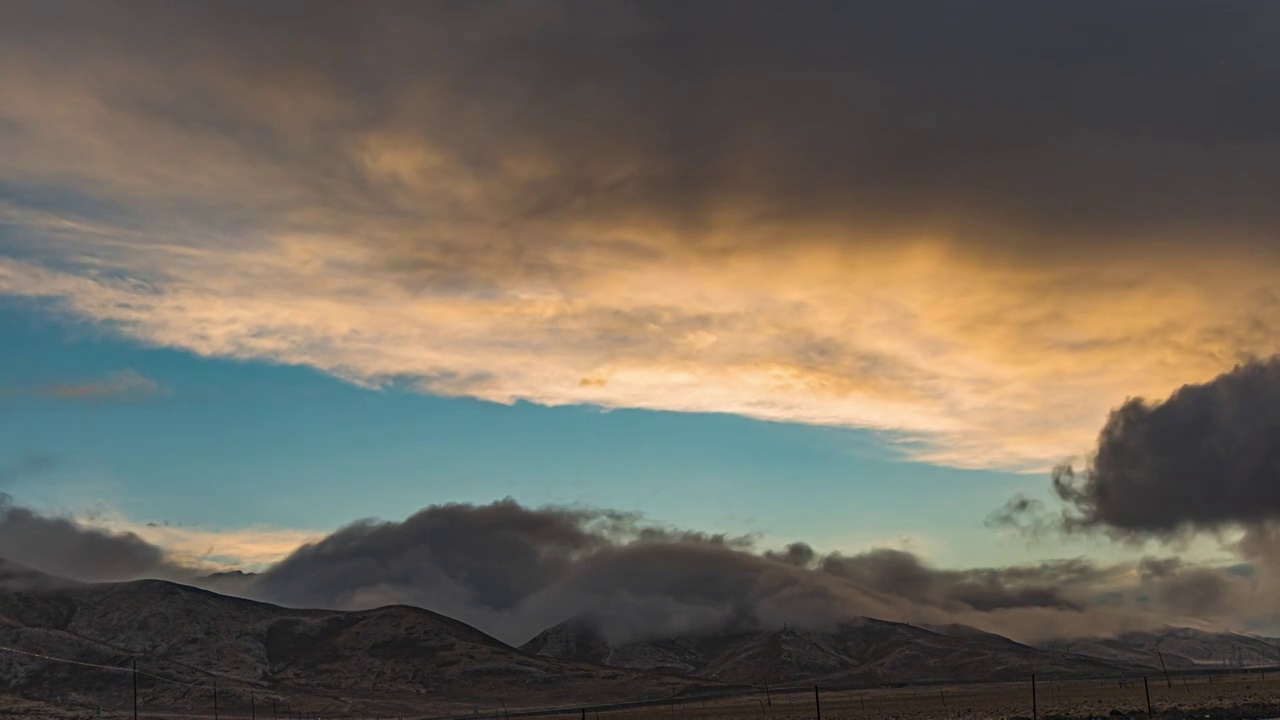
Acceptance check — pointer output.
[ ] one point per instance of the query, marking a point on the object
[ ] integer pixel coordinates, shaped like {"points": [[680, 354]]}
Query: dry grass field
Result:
{"points": [[1220, 697], [1243, 695]]}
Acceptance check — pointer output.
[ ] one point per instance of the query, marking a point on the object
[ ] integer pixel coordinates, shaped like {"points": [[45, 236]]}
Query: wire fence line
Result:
{"points": [[212, 686], [931, 698]]}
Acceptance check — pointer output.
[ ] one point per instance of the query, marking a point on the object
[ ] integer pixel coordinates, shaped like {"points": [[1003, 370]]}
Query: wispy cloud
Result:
{"points": [[120, 386]]}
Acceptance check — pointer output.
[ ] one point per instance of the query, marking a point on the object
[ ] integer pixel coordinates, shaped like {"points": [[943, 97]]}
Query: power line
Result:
{"points": [[113, 668]]}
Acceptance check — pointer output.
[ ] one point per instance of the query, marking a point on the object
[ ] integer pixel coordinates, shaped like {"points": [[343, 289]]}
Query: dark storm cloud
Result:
{"points": [[1042, 127], [62, 547], [904, 575], [514, 571], [799, 554], [1198, 591], [15, 577], [491, 556], [1208, 457]]}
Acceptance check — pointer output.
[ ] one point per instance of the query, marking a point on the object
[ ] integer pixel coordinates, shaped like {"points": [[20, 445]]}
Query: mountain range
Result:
{"points": [[870, 651], [74, 645], [860, 651], [391, 660]]}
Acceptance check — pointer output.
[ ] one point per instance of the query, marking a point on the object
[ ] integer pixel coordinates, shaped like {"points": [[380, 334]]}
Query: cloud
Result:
{"points": [[63, 547], [984, 589], [103, 546], [513, 571], [124, 386], [1029, 518], [912, 218], [1206, 458]]}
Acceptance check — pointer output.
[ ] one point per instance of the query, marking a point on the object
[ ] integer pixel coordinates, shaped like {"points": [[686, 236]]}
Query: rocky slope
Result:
{"points": [[861, 651], [390, 660]]}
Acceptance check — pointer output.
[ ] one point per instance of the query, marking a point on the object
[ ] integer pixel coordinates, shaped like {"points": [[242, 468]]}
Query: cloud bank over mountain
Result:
{"points": [[513, 571]]}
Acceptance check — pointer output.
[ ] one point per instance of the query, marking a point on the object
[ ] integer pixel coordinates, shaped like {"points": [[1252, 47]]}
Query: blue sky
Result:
{"points": [[230, 445]]}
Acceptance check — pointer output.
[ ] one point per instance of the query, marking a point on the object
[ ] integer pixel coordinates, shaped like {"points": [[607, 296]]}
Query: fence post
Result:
{"points": [[1147, 689], [863, 699], [215, 700], [767, 697], [1165, 670], [817, 704], [135, 689], [1035, 711], [253, 707]]}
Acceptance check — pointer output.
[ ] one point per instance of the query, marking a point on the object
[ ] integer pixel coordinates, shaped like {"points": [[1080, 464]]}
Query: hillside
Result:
{"points": [[861, 651], [1181, 648], [390, 660]]}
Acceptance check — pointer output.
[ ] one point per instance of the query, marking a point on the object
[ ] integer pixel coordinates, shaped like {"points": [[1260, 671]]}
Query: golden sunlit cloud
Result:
{"points": [[983, 369], [565, 232]]}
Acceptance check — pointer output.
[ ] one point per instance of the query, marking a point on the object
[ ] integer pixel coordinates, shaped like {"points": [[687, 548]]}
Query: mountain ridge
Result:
{"points": [[860, 650], [407, 659], [390, 659]]}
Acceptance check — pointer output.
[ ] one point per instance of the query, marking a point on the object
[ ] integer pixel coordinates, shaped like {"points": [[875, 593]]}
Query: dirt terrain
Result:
{"points": [[1244, 696]]}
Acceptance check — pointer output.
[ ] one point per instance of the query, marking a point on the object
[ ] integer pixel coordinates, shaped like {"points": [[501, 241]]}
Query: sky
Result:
{"points": [[865, 278]]}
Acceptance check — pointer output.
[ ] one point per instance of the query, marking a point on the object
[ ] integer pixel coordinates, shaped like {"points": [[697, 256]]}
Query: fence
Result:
{"points": [[133, 689], [1047, 698]]}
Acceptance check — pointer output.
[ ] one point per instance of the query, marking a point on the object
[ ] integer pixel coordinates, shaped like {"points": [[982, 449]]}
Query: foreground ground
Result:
{"points": [[1221, 697]]}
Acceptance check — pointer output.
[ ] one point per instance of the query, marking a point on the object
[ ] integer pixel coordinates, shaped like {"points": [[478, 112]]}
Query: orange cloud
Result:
{"points": [[773, 250]]}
